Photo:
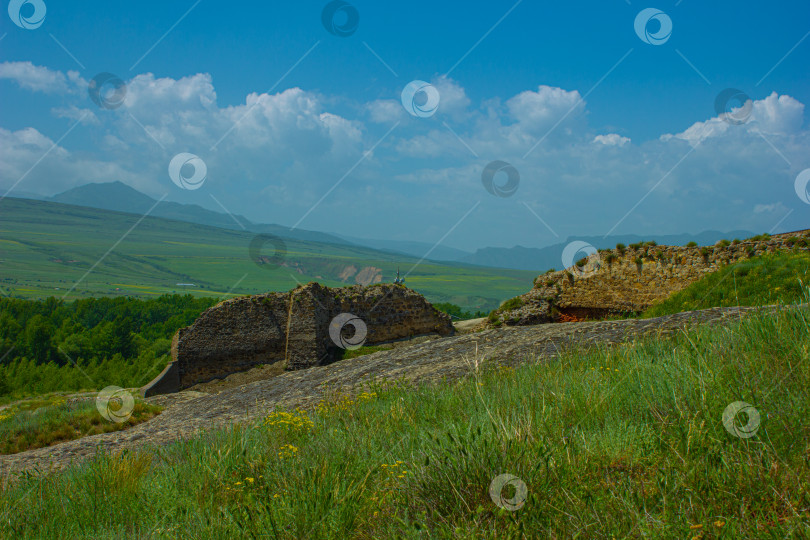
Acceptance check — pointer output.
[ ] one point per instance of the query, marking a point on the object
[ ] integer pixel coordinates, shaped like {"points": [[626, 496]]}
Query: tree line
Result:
{"points": [[52, 345]]}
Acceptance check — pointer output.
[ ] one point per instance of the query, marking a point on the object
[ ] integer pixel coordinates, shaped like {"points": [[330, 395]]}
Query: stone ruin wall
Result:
{"points": [[293, 327], [623, 286]]}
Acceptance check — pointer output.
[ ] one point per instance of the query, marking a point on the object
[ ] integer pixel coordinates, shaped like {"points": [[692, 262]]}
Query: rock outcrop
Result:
{"points": [[627, 281], [293, 327]]}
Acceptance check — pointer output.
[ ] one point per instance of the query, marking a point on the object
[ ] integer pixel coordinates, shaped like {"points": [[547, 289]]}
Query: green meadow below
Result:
{"points": [[620, 441]]}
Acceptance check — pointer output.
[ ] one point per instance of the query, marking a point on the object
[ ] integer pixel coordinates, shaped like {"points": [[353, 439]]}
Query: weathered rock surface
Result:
{"points": [[620, 282], [293, 327], [432, 360]]}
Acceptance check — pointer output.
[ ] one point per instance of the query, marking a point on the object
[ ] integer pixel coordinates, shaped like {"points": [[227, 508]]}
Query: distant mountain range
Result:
{"points": [[122, 198]]}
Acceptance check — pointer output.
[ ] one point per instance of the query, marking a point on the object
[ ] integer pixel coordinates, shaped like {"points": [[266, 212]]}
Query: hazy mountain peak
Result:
{"points": [[107, 196]]}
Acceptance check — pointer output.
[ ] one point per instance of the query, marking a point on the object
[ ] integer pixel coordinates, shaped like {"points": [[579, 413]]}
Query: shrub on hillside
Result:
{"points": [[512, 303]]}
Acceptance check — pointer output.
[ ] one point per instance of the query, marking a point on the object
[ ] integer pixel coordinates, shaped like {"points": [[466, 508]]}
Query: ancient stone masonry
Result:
{"points": [[293, 327], [615, 282]]}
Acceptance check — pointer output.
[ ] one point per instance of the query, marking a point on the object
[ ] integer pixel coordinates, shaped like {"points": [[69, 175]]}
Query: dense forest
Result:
{"points": [[88, 344]]}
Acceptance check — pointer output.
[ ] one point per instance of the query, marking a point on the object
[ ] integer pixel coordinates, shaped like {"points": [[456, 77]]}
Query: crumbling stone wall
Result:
{"points": [[240, 333], [630, 281]]}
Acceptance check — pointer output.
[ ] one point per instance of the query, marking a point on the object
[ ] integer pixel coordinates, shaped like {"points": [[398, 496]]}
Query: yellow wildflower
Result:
{"points": [[287, 450]]}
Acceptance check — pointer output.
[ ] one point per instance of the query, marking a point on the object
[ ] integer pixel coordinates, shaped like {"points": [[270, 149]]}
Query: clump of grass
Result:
{"points": [[512, 303], [629, 439], [30, 426], [691, 244], [795, 241], [759, 237]]}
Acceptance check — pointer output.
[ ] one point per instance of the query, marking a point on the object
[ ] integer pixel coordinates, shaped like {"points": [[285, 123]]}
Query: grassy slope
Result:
{"points": [[615, 442], [38, 239], [769, 279], [51, 420]]}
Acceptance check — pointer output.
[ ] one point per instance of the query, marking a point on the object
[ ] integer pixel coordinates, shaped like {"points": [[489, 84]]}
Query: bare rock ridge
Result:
{"points": [[629, 280], [292, 327]]}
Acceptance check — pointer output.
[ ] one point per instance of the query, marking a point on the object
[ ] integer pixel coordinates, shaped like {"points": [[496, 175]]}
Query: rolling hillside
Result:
{"points": [[119, 197], [53, 249]]}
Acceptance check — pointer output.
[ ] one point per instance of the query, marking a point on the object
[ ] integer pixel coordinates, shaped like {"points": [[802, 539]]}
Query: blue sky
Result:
{"points": [[608, 133]]}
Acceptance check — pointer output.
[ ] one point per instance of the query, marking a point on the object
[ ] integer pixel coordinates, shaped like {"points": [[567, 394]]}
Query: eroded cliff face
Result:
{"points": [[617, 282], [293, 327]]}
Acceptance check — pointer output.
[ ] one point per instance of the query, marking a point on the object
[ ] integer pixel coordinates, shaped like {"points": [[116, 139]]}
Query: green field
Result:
{"points": [[49, 249]]}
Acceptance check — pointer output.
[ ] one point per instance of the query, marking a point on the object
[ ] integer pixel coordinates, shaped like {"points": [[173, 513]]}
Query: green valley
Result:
{"points": [[51, 249]]}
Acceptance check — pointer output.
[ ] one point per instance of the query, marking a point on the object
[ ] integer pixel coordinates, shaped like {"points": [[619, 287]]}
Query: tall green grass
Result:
{"points": [[768, 279], [611, 442]]}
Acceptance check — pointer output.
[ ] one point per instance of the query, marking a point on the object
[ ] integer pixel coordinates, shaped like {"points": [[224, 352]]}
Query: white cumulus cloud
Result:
{"points": [[42, 79], [611, 139]]}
